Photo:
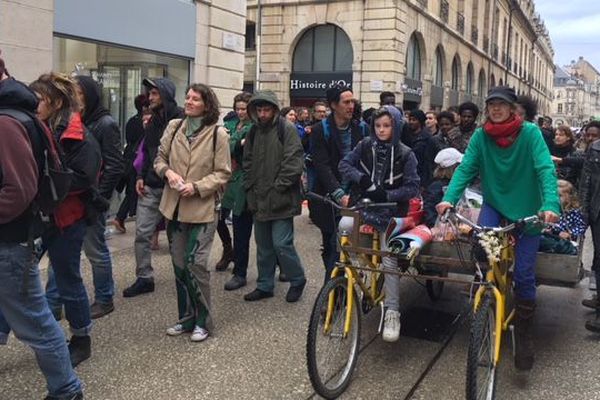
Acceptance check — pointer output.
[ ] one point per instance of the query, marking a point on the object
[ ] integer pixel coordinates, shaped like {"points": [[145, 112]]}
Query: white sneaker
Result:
{"points": [[175, 330], [391, 326], [199, 334]]}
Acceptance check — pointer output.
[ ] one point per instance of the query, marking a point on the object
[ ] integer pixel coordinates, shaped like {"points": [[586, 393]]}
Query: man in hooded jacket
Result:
{"points": [[106, 131], [273, 163], [149, 186]]}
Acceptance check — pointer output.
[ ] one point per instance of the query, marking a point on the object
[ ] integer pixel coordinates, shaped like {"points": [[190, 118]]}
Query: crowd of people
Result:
{"points": [[185, 172]]}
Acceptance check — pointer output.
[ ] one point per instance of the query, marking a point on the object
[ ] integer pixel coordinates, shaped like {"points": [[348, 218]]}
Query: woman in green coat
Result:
{"points": [[234, 198]]}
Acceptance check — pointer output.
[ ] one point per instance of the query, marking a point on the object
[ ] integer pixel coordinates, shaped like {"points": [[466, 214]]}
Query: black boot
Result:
{"points": [[80, 349], [226, 258], [593, 325], [140, 286], [524, 311]]}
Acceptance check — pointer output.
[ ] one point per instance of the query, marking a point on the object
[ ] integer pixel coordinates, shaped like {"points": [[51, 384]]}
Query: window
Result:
{"points": [[456, 73], [413, 59], [481, 89], [438, 71], [560, 108], [323, 48], [250, 35], [469, 80]]}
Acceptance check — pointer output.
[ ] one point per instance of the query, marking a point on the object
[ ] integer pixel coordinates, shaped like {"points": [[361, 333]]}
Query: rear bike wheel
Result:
{"points": [[481, 371], [331, 356]]}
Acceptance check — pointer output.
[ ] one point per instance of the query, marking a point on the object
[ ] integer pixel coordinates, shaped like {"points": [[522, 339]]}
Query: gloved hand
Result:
{"points": [[377, 196], [365, 183]]}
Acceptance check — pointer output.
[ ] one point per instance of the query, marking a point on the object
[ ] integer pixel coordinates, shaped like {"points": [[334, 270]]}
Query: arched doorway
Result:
{"points": [[413, 87], [437, 87], [322, 58]]}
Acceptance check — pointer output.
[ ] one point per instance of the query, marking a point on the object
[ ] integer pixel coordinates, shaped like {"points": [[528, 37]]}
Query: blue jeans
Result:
{"points": [[242, 231], [330, 253], [26, 311], [96, 250], [275, 243], [525, 254], [64, 251]]}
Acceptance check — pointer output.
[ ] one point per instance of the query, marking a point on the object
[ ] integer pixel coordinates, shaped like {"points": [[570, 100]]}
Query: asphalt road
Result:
{"points": [[258, 349]]}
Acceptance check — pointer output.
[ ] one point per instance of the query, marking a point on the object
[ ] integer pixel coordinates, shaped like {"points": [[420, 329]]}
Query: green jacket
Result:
{"points": [[518, 181], [272, 167], [235, 195]]}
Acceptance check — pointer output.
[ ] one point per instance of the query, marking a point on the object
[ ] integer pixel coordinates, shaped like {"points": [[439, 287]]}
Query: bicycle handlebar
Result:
{"points": [[363, 204], [534, 219]]}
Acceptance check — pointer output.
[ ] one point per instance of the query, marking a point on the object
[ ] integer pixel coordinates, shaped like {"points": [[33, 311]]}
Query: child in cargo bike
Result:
{"points": [[382, 169]]}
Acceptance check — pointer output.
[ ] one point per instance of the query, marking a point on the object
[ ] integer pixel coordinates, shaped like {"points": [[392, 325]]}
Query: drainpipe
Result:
{"points": [[258, 46], [510, 14]]}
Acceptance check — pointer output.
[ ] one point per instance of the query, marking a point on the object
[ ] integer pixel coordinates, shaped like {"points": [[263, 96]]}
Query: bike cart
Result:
{"points": [[333, 339]]}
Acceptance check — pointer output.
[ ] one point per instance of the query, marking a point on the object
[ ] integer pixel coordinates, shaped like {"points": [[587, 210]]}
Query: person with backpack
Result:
{"points": [[105, 130], [331, 140], [149, 186], [272, 164], [58, 108], [234, 198], [194, 159], [22, 304]]}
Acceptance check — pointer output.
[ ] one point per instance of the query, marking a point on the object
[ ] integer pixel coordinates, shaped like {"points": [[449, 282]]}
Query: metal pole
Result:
{"points": [[258, 46]]}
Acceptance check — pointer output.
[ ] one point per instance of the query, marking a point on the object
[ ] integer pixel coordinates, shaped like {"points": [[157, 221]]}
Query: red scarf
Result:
{"points": [[505, 133]]}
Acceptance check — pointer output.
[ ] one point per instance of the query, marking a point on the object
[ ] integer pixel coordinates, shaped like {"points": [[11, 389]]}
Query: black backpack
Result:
{"points": [[54, 179]]}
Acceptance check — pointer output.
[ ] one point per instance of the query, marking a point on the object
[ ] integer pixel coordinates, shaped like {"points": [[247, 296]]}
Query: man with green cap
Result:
{"points": [[273, 163]]}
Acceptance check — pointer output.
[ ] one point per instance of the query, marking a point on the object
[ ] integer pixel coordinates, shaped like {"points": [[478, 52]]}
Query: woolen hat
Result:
{"points": [[448, 157], [504, 93], [420, 115]]}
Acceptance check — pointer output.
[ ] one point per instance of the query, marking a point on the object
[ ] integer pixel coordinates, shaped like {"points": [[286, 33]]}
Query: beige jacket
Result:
{"points": [[194, 162]]}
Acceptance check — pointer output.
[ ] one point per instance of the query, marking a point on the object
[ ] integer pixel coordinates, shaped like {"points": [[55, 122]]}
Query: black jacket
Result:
{"points": [[572, 162], [155, 129], [421, 144], [431, 197], [106, 132], [590, 184], [326, 155]]}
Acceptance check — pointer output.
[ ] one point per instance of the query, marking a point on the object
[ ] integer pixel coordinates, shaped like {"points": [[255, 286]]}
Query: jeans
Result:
{"points": [[222, 228], [275, 243], [526, 250], [96, 250], [147, 218], [64, 251], [242, 231], [26, 311]]}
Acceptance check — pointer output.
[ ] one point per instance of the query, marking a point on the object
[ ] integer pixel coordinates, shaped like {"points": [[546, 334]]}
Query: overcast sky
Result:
{"points": [[574, 27]]}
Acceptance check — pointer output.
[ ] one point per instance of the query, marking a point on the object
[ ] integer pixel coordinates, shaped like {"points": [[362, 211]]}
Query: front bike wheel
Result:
{"points": [[331, 355], [481, 370]]}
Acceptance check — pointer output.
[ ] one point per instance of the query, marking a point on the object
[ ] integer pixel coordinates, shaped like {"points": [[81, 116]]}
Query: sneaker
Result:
{"points": [[391, 326], [593, 325], [140, 286], [235, 283], [176, 330], [74, 396], [119, 225], [99, 310], [591, 303], [80, 349], [257, 294], [199, 334], [295, 292]]}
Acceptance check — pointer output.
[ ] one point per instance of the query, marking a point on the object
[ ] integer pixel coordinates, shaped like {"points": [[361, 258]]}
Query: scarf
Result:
{"points": [[505, 133], [194, 124]]}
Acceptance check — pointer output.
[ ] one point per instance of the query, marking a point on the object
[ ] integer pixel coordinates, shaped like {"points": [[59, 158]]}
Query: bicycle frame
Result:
{"points": [[497, 280]]}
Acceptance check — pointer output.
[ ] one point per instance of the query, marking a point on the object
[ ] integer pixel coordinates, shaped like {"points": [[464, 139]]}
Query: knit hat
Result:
{"points": [[333, 93], [419, 115], [503, 93], [448, 157]]}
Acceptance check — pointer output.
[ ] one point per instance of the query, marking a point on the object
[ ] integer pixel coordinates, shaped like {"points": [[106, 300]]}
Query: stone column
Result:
{"points": [[26, 28]]}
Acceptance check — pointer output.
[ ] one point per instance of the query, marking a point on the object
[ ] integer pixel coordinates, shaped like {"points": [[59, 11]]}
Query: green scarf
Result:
{"points": [[193, 126]]}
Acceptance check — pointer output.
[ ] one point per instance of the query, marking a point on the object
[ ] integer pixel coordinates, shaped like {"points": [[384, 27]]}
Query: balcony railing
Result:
{"points": [[474, 34], [460, 23], [444, 10]]}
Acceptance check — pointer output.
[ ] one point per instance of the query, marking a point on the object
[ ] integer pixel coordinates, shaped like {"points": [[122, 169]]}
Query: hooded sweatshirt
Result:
{"points": [[106, 132], [155, 129], [391, 166]]}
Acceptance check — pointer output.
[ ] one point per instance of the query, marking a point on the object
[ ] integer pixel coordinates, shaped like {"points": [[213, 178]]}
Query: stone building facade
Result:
{"points": [[121, 42], [431, 53]]}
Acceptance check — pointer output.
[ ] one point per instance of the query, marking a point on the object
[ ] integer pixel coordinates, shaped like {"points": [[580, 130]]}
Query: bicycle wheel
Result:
{"points": [[331, 357], [481, 372]]}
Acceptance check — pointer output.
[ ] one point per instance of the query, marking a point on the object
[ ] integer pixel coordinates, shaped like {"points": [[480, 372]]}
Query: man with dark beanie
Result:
{"points": [[460, 135], [106, 131], [418, 138], [23, 306], [149, 186]]}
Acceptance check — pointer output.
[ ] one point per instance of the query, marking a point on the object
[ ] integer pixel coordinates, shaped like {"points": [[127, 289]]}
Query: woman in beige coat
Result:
{"points": [[194, 160]]}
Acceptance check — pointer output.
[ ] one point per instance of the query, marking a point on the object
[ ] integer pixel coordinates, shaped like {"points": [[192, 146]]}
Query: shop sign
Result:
{"points": [[309, 84]]}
